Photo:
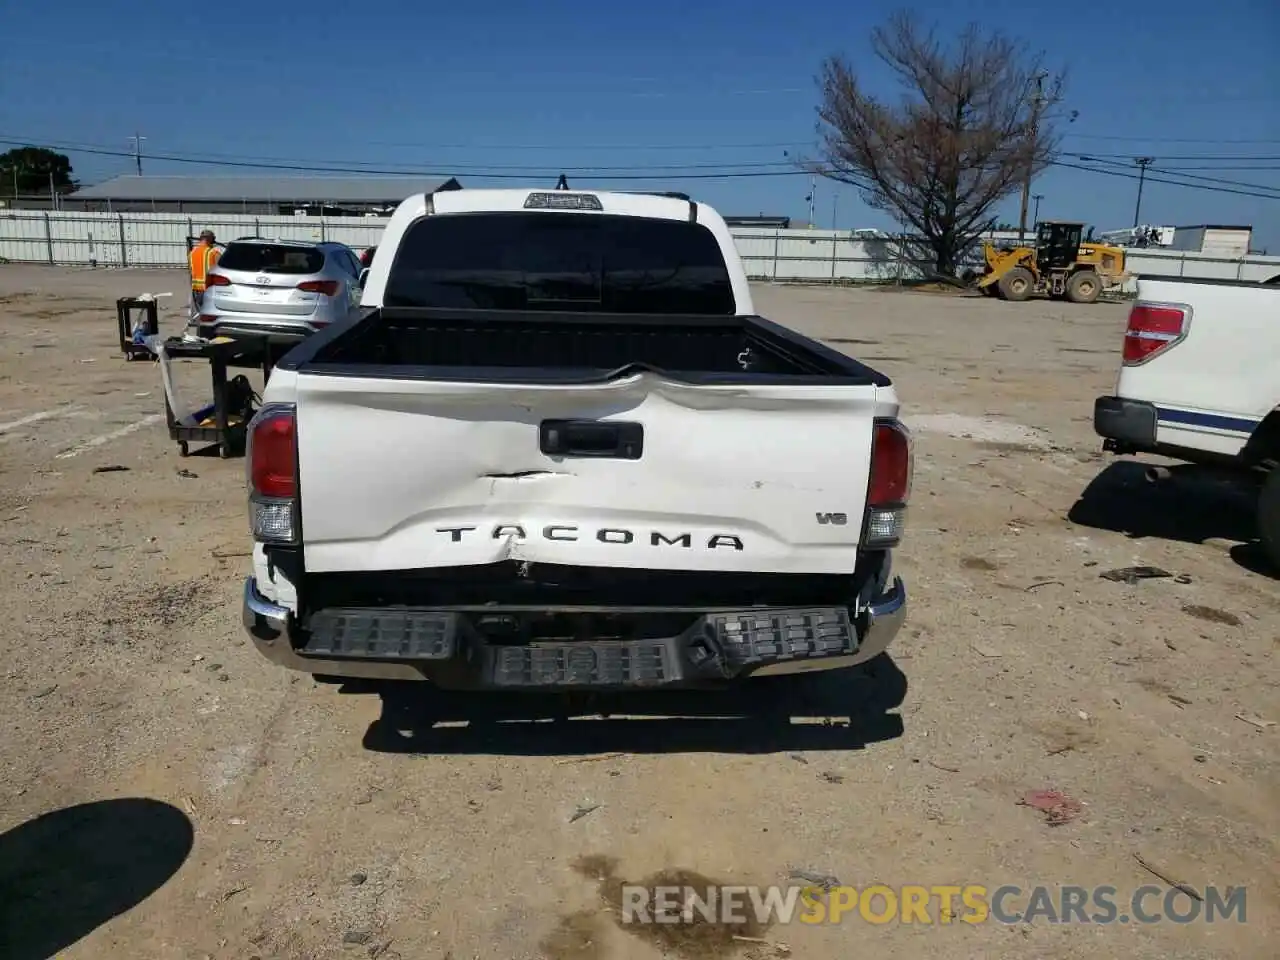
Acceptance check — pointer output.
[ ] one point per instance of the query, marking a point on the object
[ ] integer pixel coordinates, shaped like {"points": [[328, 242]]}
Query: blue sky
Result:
{"points": [[569, 83]]}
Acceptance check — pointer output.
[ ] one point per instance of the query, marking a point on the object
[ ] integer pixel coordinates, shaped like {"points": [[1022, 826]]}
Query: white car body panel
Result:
{"points": [[1215, 386], [744, 472]]}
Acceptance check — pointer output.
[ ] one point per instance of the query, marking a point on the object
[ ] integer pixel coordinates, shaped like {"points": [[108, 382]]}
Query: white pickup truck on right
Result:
{"points": [[1200, 382]]}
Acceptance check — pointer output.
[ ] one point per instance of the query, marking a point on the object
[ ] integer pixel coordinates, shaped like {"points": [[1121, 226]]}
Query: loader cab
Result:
{"points": [[1057, 244]]}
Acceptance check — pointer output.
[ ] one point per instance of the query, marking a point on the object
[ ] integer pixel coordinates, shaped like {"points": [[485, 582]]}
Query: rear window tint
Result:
{"points": [[561, 262], [271, 258]]}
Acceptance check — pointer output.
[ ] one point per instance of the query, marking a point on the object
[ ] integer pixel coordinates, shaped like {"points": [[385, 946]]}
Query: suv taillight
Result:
{"points": [[216, 280], [890, 485], [272, 467], [328, 287], [1153, 328]]}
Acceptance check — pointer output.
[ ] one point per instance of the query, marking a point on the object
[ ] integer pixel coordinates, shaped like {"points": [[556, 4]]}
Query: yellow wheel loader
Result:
{"points": [[1059, 265]]}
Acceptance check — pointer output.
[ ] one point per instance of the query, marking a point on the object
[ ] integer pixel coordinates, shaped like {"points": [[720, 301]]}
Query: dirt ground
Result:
{"points": [[166, 793]]}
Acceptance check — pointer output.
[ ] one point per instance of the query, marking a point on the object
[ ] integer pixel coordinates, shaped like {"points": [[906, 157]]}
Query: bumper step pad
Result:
{"points": [[750, 639], [715, 647], [582, 664], [382, 635]]}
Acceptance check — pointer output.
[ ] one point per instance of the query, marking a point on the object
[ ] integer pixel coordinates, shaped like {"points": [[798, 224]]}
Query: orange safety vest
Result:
{"points": [[202, 259]]}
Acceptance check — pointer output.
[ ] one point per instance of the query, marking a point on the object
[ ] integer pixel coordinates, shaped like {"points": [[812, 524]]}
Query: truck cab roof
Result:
{"points": [[540, 201]]}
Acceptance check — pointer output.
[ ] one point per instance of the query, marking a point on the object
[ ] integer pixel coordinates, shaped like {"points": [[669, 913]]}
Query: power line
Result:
{"points": [[1188, 176], [195, 156], [360, 165], [675, 174], [1174, 183], [1099, 136], [425, 145], [1229, 166], [468, 167], [484, 173], [1192, 156]]}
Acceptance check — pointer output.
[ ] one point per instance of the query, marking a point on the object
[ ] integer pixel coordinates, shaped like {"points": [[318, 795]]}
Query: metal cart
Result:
{"points": [[125, 321], [226, 424]]}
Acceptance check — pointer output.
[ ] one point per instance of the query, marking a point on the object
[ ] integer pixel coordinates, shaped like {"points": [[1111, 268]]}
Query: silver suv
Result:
{"points": [[283, 290]]}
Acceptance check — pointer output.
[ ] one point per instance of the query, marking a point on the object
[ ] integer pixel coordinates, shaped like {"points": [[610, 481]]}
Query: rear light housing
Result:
{"points": [[1153, 329], [563, 201], [328, 287], [272, 474], [890, 485], [216, 280]]}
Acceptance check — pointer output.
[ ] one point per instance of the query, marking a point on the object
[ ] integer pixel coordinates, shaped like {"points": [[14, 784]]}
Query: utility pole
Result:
{"points": [[137, 139], [1037, 197], [812, 198], [835, 206], [1037, 105], [1143, 163]]}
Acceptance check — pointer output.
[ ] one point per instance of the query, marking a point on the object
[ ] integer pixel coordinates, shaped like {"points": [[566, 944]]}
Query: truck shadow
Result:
{"points": [[1190, 506], [65, 873], [835, 710]]}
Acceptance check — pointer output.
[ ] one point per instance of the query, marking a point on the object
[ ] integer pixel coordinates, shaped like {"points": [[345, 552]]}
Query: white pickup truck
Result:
{"points": [[559, 450], [1200, 382]]}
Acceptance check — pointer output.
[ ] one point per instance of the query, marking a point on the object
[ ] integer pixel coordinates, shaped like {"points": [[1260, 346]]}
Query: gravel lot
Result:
{"points": [[227, 809]]}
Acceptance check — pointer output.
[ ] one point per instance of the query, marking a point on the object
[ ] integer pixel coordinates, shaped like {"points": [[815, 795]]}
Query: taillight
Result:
{"points": [[216, 280], [1153, 328], [889, 486], [272, 468], [328, 287]]}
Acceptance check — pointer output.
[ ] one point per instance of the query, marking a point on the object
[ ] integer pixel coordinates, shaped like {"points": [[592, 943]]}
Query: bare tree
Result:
{"points": [[975, 123]]}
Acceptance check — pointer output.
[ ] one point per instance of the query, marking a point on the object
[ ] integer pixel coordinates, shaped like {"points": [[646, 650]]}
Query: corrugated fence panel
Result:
{"points": [[94, 240], [356, 232], [23, 237], [160, 240], [758, 249], [154, 241]]}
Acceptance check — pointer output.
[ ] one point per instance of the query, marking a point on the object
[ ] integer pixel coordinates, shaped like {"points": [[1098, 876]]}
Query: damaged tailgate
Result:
{"points": [[641, 471]]}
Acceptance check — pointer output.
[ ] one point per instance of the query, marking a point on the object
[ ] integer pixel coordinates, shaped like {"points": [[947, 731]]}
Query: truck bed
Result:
{"points": [[1264, 285], [550, 347]]}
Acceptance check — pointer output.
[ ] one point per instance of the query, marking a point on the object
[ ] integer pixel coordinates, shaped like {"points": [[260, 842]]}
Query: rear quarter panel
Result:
{"points": [[1214, 387]]}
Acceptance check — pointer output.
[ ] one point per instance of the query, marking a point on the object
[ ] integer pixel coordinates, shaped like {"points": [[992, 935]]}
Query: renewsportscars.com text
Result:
{"points": [[937, 904]]}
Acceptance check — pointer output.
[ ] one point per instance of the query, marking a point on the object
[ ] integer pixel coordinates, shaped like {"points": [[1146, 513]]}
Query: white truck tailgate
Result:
{"points": [[767, 478]]}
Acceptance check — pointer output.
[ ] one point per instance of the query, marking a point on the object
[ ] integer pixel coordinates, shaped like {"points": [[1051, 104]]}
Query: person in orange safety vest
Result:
{"points": [[202, 258]]}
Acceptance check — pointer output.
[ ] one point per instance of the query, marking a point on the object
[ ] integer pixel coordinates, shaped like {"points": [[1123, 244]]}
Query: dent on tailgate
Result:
{"points": [[432, 474]]}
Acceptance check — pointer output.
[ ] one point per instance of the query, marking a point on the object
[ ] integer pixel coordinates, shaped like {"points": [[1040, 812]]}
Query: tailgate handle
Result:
{"points": [[591, 438]]}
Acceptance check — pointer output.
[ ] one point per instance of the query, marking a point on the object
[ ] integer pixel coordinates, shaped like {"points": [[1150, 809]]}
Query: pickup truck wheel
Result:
{"points": [[1083, 287], [1016, 284], [1269, 517]]}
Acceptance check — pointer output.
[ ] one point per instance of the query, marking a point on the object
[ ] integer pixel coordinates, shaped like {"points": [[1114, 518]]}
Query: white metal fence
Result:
{"points": [[823, 256]]}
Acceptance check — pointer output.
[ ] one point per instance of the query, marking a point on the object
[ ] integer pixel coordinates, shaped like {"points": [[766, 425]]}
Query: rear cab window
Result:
{"points": [[271, 258], [562, 262]]}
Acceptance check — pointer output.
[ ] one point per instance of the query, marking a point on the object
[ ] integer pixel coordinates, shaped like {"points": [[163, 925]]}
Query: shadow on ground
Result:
{"points": [[65, 873], [1191, 506], [835, 710]]}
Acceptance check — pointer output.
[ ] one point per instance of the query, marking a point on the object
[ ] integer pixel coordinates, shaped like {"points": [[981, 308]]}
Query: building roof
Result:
{"points": [[1216, 226], [270, 189], [759, 220]]}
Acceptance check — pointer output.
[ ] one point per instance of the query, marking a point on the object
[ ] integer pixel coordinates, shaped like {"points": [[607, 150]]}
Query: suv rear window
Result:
{"points": [[271, 258], [561, 262]]}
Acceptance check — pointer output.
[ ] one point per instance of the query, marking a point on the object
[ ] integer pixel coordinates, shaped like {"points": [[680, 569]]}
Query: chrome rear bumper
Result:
{"points": [[772, 650]]}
